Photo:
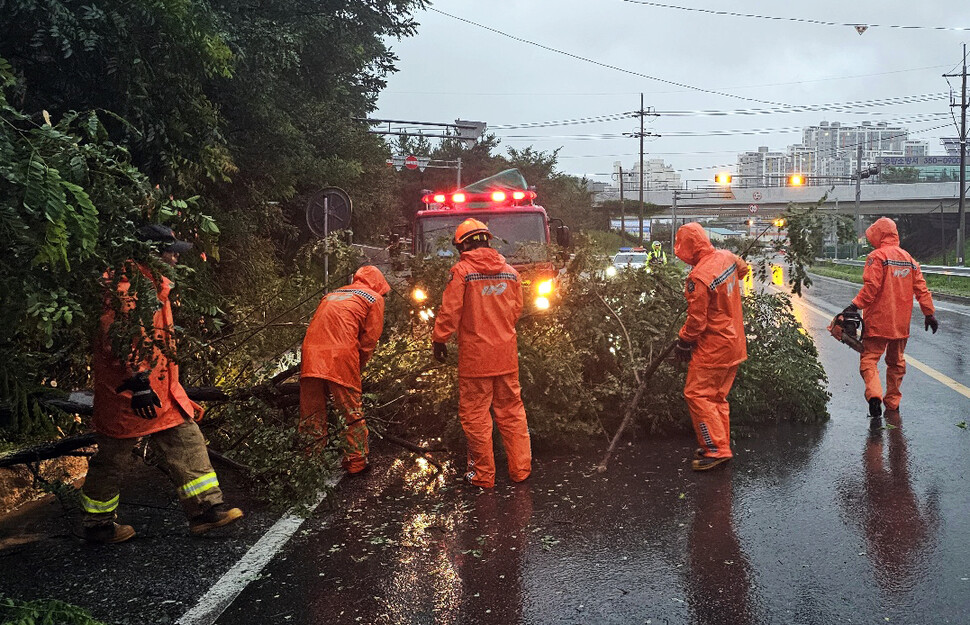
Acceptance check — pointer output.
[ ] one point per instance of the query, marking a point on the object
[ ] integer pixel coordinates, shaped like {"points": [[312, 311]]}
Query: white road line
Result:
{"points": [[213, 603]]}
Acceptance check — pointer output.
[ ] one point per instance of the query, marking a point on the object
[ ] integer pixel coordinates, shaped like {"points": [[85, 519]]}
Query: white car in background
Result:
{"points": [[628, 258]]}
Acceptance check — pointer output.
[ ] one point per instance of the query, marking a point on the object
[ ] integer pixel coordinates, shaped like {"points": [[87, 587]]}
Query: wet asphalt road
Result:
{"points": [[828, 524], [809, 525]]}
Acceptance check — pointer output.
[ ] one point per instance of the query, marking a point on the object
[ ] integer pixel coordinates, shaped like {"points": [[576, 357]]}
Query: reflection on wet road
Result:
{"points": [[820, 525]]}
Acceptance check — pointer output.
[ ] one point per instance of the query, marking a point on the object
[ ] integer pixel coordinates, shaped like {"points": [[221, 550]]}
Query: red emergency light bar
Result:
{"points": [[496, 197]]}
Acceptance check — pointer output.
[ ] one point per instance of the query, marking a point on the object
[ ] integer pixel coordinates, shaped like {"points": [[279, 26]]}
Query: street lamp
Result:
{"points": [[796, 180]]}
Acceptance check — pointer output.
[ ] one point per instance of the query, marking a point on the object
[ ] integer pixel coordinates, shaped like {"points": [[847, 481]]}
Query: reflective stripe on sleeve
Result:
{"points": [[199, 485], [94, 506]]}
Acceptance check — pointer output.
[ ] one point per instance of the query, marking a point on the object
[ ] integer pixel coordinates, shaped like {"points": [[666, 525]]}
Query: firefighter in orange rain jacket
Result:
{"points": [[139, 398], [340, 340], [890, 279], [712, 340], [481, 304]]}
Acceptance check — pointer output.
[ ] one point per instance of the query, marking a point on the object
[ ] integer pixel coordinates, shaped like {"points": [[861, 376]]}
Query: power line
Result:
{"points": [[848, 145], [800, 20], [917, 118], [606, 65], [613, 94], [807, 108]]}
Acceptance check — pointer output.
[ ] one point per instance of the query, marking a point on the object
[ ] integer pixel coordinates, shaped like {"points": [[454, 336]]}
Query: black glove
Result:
{"points": [[682, 351], [850, 309], [143, 398], [931, 322], [440, 351]]}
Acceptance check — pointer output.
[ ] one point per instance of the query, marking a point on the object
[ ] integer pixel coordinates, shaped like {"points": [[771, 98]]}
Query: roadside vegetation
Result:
{"points": [[945, 285], [221, 120]]}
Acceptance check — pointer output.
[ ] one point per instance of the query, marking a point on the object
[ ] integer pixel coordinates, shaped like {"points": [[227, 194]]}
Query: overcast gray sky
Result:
{"points": [[453, 69]]}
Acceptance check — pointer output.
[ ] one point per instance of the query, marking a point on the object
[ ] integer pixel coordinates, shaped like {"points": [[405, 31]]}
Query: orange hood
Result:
{"points": [[692, 243], [485, 260], [372, 278], [883, 233]]}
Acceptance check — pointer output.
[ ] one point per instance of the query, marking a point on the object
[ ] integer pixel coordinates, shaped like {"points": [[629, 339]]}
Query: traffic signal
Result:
{"points": [[722, 178], [872, 170], [779, 223], [796, 180]]}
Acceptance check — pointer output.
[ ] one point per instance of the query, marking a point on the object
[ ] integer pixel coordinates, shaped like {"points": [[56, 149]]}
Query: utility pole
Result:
{"points": [[962, 236], [962, 229], [622, 206], [673, 221], [857, 226], [642, 113]]}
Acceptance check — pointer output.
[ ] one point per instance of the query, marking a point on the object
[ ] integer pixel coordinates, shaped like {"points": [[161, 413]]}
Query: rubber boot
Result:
{"points": [[875, 413]]}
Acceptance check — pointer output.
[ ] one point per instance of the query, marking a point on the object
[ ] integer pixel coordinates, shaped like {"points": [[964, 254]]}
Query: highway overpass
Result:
{"points": [[877, 199]]}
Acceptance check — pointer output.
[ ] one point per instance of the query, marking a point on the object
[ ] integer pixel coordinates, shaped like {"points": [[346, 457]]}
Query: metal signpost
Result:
{"points": [[329, 209]]}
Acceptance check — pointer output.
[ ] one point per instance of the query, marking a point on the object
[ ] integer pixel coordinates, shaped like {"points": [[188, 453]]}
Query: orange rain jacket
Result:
{"points": [[715, 322], [112, 410], [482, 302], [344, 330], [890, 280]]}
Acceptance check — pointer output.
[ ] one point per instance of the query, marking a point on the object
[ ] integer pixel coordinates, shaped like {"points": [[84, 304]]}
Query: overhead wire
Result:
{"points": [[807, 108], [846, 146], [801, 20], [916, 118], [602, 64]]}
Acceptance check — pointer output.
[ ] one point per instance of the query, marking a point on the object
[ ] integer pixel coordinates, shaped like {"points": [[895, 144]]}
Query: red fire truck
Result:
{"points": [[520, 230]]}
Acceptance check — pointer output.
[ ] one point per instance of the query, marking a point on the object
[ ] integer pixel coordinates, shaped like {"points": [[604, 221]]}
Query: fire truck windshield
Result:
{"points": [[515, 235]]}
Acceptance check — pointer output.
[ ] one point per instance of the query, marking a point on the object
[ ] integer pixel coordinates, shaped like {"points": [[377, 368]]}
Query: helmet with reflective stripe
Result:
{"points": [[657, 245], [471, 230]]}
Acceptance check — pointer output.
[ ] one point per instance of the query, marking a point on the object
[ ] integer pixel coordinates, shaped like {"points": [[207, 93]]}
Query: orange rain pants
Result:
{"points": [[706, 393], [895, 368], [503, 394], [313, 419]]}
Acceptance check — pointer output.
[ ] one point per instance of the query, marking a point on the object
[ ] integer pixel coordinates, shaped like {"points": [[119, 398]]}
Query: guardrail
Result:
{"points": [[938, 270]]}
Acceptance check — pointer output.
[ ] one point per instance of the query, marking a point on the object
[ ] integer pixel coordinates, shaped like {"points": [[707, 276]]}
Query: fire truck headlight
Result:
{"points": [[544, 288], [610, 271], [542, 303], [418, 294]]}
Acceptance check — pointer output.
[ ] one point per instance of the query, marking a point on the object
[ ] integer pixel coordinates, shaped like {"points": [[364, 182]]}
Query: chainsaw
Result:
{"points": [[847, 328]]}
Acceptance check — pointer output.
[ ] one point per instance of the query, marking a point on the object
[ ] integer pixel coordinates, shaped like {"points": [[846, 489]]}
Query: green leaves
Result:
{"points": [[43, 612]]}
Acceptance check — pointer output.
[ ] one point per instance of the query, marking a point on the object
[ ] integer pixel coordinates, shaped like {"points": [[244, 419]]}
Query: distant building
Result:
{"points": [[720, 234], [828, 149], [657, 175], [762, 168]]}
